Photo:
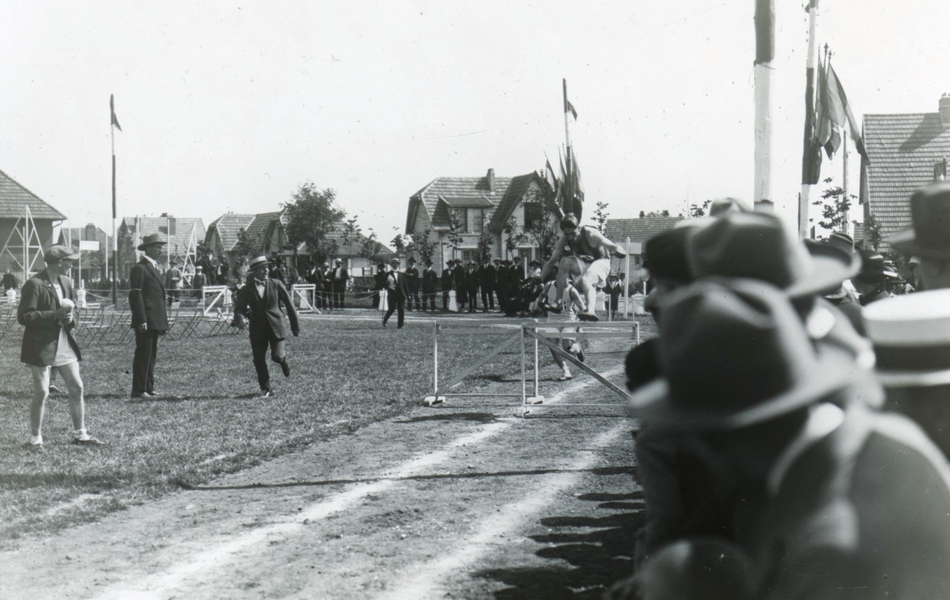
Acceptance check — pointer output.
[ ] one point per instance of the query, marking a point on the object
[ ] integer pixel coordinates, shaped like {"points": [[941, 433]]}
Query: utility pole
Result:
{"points": [[764, 53]]}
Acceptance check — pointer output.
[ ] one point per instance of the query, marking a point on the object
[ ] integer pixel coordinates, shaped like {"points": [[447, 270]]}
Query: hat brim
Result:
{"points": [[144, 246], [831, 268], [905, 242], [652, 403], [913, 379]]}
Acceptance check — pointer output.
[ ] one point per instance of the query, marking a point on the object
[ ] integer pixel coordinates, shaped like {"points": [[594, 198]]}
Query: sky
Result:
{"points": [[231, 106]]}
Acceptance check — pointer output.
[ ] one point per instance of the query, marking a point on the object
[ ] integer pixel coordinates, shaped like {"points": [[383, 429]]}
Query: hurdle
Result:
{"points": [[517, 333], [307, 293], [220, 299]]}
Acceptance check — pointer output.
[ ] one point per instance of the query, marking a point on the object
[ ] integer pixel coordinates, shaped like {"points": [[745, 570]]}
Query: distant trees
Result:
{"points": [[311, 216], [834, 207]]}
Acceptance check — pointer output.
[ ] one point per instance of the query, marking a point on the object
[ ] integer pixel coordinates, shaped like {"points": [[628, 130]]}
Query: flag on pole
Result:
{"points": [[549, 175], [115, 121], [568, 107], [835, 113]]}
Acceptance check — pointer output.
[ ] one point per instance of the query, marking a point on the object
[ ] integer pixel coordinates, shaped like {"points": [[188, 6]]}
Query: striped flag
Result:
{"points": [[115, 121]]}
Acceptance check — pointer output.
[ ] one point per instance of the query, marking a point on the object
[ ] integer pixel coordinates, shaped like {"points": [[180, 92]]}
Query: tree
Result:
{"points": [[834, 208], [312, 216], [873, 232], [455, 232], [699, 211], [245, 245], [370, 245], [485, 242], [514, 239], [600, 217], [545, 229], [425, 244]]}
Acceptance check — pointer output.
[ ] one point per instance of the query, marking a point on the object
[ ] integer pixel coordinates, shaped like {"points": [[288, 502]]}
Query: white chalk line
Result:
{"points": [[157, 586], [426, 581]]}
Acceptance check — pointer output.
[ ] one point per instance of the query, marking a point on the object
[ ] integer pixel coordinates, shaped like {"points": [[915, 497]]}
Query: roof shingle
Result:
{"points": [[13, 197], [638, 230]]}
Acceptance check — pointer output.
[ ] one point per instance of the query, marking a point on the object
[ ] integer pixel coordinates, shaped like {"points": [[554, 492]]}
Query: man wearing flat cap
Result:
{"points": [[149, 318], [260, 301], [46, 310], [823, 494]]}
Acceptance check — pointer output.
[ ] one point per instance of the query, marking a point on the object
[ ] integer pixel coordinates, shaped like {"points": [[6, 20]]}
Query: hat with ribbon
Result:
{"points": [[929, 237], [757, 245], [257, 262], [151, 240], [59, 252], [733, 353], [911, 336]]}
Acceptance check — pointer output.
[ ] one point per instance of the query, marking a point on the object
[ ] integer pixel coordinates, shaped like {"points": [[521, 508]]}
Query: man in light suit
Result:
{"points": [[46, 310], [149, 318], [398, 292], [260, 300]]}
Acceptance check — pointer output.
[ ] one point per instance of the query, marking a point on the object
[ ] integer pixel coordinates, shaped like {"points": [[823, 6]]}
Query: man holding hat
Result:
{"points": [[46, 310], [398, 292], [149, 318], [823, 494], [260, 300]]}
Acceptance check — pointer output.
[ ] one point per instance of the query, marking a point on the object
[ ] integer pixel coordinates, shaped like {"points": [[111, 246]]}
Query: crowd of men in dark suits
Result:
{"points": [[789, 449]]}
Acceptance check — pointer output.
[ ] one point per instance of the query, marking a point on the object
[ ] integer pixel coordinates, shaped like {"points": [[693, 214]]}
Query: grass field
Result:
{"points": [[345, 374]]}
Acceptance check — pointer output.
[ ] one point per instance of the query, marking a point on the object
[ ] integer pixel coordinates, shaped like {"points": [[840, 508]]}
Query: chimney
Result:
{"points": [[491, 174], [945, 110]]}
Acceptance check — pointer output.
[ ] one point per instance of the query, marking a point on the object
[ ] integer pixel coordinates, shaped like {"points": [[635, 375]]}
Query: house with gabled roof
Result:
{"points": [[636, 232], [26, 228], [478, 206], [93, 263], [906, 151], [182, 234]]}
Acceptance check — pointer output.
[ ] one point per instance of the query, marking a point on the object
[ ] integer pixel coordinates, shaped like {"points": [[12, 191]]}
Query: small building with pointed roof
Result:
{"points": [[26, 228]]}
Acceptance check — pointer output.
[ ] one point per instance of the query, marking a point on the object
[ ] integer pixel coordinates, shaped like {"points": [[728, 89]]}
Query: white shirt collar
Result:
{"points": [[151, 260]]}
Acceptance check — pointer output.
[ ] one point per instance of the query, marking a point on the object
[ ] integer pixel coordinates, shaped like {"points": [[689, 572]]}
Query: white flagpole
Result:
{"points": [[810, 125], [765, 52]]}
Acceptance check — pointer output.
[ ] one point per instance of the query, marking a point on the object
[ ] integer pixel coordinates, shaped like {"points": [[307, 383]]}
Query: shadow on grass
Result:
{"points": [[24, 481], [474, 475], [598, 550], [459, 416]]}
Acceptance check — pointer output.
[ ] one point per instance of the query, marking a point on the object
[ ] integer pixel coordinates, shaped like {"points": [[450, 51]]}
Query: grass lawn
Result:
{"points": [[345, 374]]}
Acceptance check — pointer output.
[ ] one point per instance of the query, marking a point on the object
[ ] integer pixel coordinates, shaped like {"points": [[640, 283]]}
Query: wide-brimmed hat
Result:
{"points": [[59, 252], [874, 269], [911, 336], [257, 262], [664, 254], [842, 241], [757, 245], [150, 240], [929, 236], [734, 353], [721, 206]]}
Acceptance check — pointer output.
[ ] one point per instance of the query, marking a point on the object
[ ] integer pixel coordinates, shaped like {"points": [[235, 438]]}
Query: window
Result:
{"points": [[470, 255], [533, 214], [476, 220], [461, 215]]}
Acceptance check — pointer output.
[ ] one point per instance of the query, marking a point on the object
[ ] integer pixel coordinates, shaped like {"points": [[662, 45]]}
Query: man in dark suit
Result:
{"points": [[46, 310], [471, 278], [260, 300], [412, 284], [430, 283], [398, 292], [461, 290], [339, 277], [486, 279], [149, 319]]}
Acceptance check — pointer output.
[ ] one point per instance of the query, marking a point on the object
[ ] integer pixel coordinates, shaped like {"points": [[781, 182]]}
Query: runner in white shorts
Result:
{"points": [[571, 302], [582, 252]]}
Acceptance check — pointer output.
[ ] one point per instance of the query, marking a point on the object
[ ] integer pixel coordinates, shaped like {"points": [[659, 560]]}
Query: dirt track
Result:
{"points": [[459, 501]]}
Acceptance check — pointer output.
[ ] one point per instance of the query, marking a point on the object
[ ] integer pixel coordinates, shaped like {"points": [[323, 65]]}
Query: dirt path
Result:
{"points": [[460, 501]]}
